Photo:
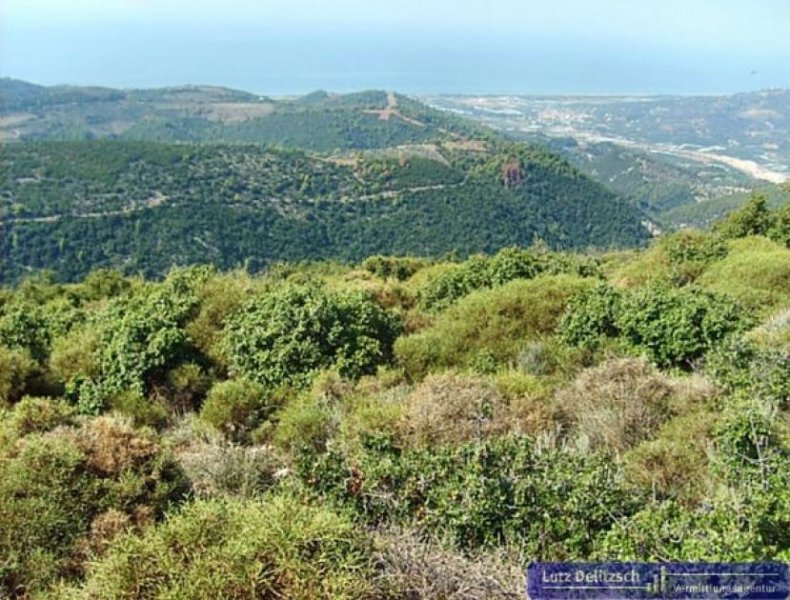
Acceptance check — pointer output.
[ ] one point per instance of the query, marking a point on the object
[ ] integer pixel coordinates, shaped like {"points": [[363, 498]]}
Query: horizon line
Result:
{"points": [[292, 94]]}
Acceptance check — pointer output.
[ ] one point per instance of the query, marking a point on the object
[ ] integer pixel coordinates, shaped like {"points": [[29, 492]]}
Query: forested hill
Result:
{"points": [[143, 180], [144, 207], [318, 121]]}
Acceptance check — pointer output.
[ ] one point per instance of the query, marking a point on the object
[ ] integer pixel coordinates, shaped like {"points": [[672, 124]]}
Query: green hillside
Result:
{"points": [[705, 214], [144, 207], [397, 428]]}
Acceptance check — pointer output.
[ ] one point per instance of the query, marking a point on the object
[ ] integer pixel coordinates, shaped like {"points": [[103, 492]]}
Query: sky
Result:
{"points": [[415, 46]]}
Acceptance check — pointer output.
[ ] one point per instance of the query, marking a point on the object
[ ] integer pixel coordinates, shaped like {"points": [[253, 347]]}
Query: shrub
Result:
{"points": [[691, 246], [238, 549], [370, 412], [219, 468], [675, 464], [780, 230], [550, 504], [144, 334], [39, 415], [536, 358], [480, 272], [740, 365], [449, 409], [306, 425], [674, 327], [103, 283], [414, 568], [236, 407], [489, 326], [401, 268], [141, 339], [666, 531], [76, 355], [754, 218], [48, 496], [632, 269], [218, 297], [24, 327], [756, 273], [143, 411], [185, 387], [16, 367], [285, 337], [223, 469], [677, 327], [689, 253], [54, 484], [774, 332], [618, 404], [592, 316], [748, 442]]}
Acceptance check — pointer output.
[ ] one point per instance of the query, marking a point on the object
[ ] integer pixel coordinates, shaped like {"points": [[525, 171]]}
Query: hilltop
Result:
{"points": [[319, 121]]}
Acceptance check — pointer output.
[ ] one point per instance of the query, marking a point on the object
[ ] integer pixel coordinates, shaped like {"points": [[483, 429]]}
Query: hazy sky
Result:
{"points": [[294, 46]]}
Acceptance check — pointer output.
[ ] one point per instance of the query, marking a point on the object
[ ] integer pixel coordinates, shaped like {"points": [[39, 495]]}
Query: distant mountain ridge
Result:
{"points": [[318, 121]]}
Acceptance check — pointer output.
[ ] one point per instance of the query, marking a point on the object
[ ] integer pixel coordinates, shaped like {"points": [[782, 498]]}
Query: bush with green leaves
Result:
{"points": [[142, 337], [54, 483], [490, 327], [509, 264], [748, 442], [236, 407], [674, 327], [16, 367], [398, 267], [689, 252], [277, 547], [761, 373], [145, 333], [552, 504], [39, 415], [677, 327], [693, 246], [719, 531], [780, 230], [25, 327], [747, 519], [753, 218], [756, 218], [592, 316], [285, 337]]}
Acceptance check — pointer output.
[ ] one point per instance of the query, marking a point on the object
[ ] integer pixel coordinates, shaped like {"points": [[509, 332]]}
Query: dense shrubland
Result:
{"points": [[406, 428]]}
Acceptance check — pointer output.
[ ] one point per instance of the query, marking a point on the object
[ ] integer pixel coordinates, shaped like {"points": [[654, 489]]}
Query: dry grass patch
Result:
{"points": [[423, 570], [676, 463], [450, 409], [617, 404], [113, 446]]}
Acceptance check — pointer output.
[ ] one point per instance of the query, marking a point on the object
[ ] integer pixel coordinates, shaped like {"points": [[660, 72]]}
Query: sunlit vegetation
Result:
{"points": [[405, 426]]}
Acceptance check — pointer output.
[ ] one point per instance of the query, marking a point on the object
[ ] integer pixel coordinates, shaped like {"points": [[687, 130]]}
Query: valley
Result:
{"points": [[662, 151]]}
